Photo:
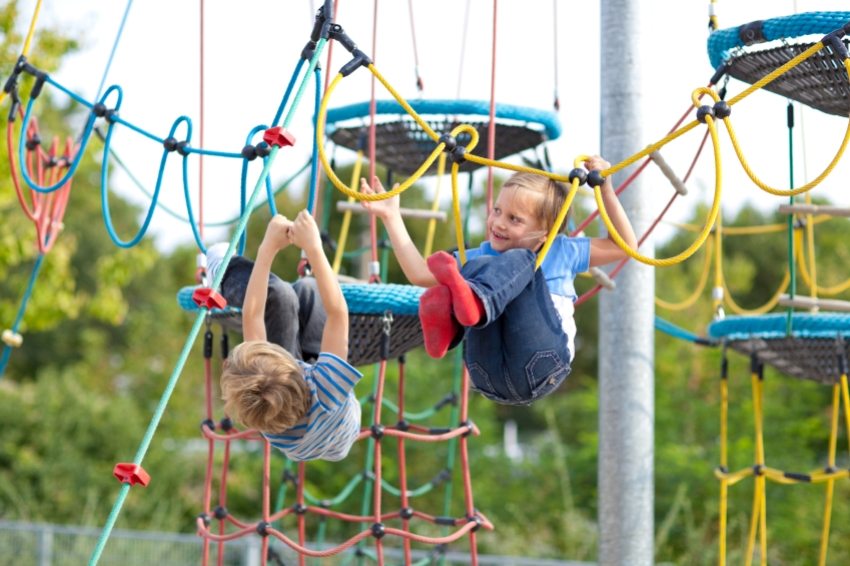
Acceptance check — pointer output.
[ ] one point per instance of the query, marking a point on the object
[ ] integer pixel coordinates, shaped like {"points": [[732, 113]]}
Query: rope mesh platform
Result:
{"points": [[372, 309], [810, 352], [753, 50], [403, 146]]}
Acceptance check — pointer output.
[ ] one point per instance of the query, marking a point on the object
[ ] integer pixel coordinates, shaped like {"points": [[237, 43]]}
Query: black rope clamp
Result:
{"points": [[226, 424], [101, 111], [580, 174], [450, 141], [33, 142], [722, 109], [458, 154], [752, 32], [12, 82], [477, 520], [205, 518], [378, 530], [209, 423], [208, 344], [221, 512], [704, 111], [834, 42], [360, 59], [758, 470], [377, 431], [263, 528], [595, 178], [299, 508], [406, 512]]}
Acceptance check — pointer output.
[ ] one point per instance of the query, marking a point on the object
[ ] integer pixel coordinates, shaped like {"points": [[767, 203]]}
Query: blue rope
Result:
{"points": [[7, 351], [114, 47], [677, 332], [722, 43]]}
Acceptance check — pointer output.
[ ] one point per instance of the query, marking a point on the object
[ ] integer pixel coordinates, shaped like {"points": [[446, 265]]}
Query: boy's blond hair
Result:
{"points": [[553, 194], [263, 387]]}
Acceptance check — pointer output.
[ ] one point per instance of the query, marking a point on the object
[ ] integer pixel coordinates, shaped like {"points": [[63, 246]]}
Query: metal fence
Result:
{"points": [[40, 544]]}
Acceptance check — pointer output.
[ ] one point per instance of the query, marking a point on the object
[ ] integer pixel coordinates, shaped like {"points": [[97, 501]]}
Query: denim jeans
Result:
{"points": [[519, 354], [294, 317]]}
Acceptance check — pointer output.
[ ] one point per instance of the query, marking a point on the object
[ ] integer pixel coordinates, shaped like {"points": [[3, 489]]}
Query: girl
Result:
{"points": [[517, 322]]}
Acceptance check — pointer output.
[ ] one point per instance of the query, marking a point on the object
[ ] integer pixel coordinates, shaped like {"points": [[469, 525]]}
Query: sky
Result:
{"points": [[251, 48]]}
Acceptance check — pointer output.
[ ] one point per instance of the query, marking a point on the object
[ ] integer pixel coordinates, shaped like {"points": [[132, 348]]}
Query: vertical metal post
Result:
{"points": [[626, 314]]}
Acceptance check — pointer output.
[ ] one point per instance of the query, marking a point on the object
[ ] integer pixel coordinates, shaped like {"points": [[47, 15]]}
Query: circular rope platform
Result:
{"points": [[811, 351], [753, 50], [373, 308], [402, 145]]}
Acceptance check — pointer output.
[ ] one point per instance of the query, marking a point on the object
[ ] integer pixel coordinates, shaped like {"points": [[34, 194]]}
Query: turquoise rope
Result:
{"points": [[7, 351], [114, 48], [172, 382]]}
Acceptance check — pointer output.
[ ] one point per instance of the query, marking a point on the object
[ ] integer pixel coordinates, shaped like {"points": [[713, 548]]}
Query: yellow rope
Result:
{"points": [[435, 206], [692, 299], [562, 214], [724, 464], [346, 218], [25, 51], [830, 485], [461, 245]]}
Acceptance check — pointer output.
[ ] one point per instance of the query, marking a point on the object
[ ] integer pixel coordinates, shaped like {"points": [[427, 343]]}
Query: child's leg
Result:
{"points": [[522, 355], [311, 317], [440, 329], [467, 307], [498, 280]]}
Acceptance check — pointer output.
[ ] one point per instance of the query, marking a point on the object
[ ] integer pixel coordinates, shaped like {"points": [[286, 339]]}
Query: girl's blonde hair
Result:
{"points": [[263, 387], [553, 194]]}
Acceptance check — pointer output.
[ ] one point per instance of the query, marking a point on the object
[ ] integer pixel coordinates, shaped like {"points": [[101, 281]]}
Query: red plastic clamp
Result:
{"points": [[206, 297], [278, 136], [134, 474]]}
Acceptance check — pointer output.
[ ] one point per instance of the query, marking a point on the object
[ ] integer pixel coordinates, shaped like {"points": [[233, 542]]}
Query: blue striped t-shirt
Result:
{"points": [[332, 424]]}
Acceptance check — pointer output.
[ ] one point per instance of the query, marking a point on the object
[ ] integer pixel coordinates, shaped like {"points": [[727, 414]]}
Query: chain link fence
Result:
{"points": [[40, 544]]}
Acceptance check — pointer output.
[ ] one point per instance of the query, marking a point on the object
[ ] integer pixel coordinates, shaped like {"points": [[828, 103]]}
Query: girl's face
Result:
{"points": [[514, 222]]}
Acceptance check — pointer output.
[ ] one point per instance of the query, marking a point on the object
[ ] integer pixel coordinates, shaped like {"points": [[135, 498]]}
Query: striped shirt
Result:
{"points": [[332, 424]]}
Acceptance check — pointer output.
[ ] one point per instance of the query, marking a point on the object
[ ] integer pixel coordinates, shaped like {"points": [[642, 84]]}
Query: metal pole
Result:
{"points": [[626, 314]]}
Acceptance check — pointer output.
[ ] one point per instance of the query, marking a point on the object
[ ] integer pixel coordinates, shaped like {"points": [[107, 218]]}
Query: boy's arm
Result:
{"points": [[254, 307], [305, 235], [606, 250], [411, 261]]}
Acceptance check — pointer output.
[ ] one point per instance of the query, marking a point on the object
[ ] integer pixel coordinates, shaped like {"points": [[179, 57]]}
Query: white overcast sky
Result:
{"points": [[251, 49]]}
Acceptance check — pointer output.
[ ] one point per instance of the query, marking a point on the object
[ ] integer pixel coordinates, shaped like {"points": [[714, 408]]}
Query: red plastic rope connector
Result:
{"points": [[278, 136], [206, 297], [134, 474]]}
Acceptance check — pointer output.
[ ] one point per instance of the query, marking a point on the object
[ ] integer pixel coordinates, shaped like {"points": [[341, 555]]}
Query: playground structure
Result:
{"points": [[458, 143]]}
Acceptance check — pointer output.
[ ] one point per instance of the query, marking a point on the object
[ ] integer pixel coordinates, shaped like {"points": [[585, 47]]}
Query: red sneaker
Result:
{"points": [[468, 308], [439, 327]]}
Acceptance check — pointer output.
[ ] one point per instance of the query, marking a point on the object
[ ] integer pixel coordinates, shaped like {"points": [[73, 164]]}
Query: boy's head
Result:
{"points": [[263, 387], [525, 211]]}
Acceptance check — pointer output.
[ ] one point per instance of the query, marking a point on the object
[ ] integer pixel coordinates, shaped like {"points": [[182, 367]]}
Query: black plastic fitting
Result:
{"points": [[580, 174], [402, 425], [181, 148], [33, 142], [209, 423], [704, 111], [208, 344], [450, 142], [263, 528], [406, 512], [205, 518], [377, 431], [722, 109], [299, 508], [595, 178], [221, 512], [263, 149], [378, 530], [226, 424], [249, 152], [458, 154], [170, 144]]}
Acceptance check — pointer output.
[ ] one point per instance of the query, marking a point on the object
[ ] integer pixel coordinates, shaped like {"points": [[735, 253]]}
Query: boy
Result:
{"points": [[308, 411]]}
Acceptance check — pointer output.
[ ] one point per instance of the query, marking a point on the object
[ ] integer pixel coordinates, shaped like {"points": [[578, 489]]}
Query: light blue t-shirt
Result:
{"points": [[566, 258], [332, 424]]}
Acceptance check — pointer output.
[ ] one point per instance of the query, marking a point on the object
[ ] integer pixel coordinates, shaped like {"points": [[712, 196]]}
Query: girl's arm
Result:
{"points": [[411, 261], [606, 250]]}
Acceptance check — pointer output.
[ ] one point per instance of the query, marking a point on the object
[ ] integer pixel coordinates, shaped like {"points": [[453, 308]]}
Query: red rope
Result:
{"points": [[419, 85], [491, 128]]}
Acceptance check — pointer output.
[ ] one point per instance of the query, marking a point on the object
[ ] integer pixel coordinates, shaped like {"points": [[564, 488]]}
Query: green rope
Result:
{"points": [[193, 334], [792, 289]]}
